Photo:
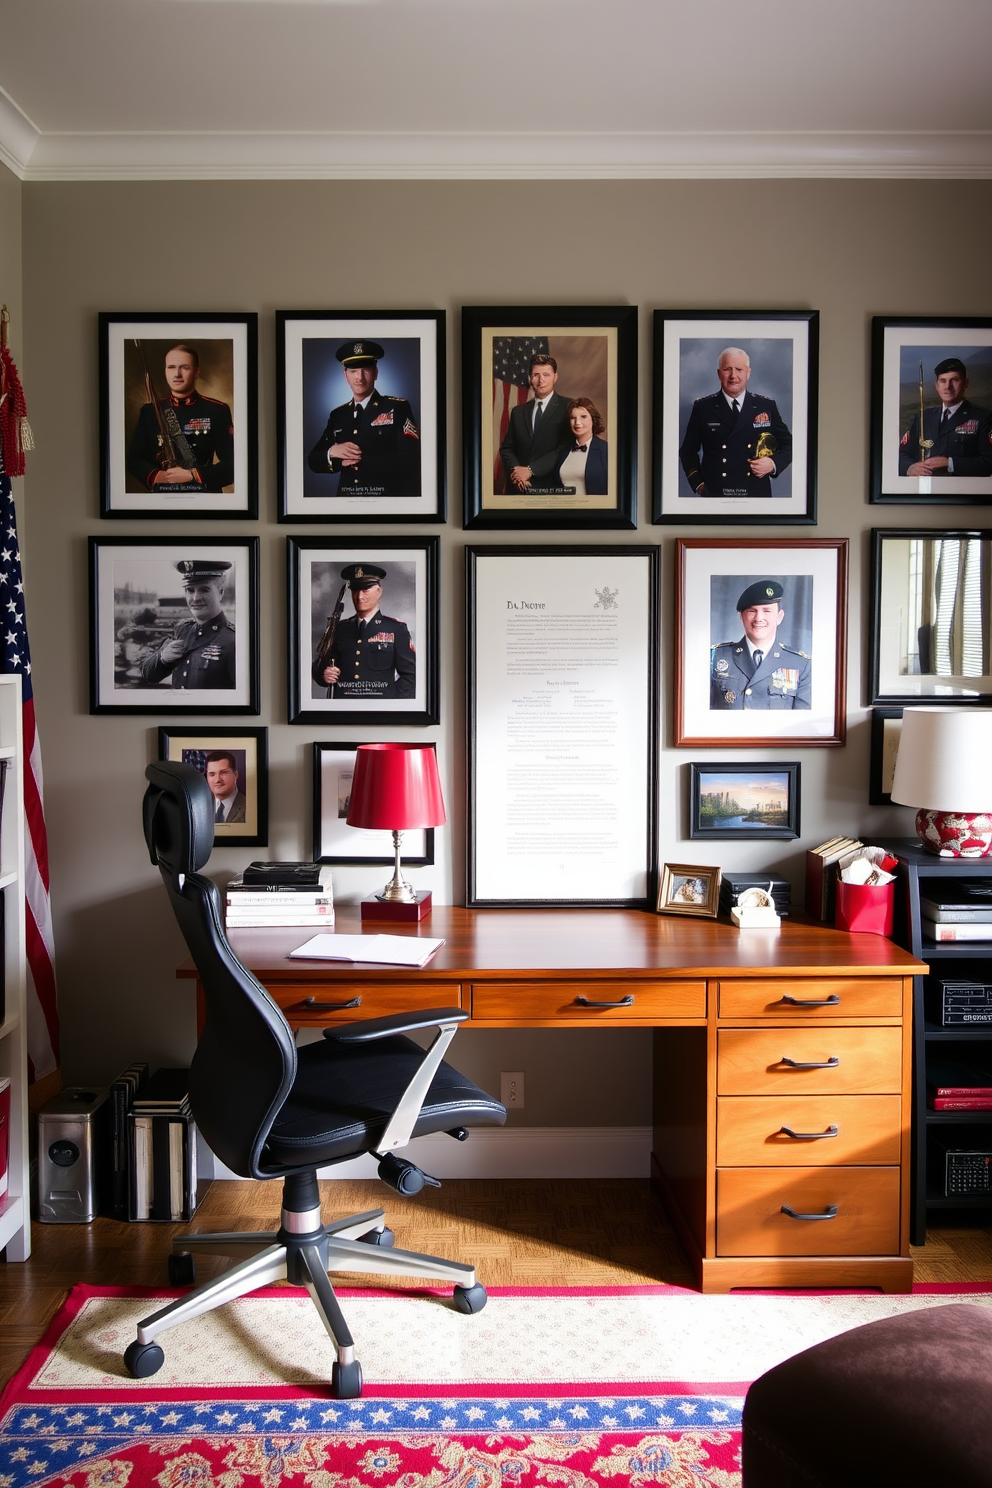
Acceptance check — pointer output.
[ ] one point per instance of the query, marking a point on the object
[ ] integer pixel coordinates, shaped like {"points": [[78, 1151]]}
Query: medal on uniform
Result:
{"points": [[785, 679], [723, 665], [730, 697]]}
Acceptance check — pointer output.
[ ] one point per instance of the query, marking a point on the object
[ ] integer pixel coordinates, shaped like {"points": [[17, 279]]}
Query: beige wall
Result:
{"points": [[849, 250]]}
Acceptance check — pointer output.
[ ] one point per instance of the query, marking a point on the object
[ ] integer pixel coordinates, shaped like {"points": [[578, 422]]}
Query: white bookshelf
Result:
{"points": [[15, 1205]]}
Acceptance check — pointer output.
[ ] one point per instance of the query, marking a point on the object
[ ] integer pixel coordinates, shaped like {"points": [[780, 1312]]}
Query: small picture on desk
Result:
{"points": [[687, 889], [334, 841], [235, 767]]}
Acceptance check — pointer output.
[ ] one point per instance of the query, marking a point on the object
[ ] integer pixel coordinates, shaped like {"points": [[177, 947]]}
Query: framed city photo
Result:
{"points": [[549, 416], [688, 889], [730, 802], [235, 766], [735, 403], [761, 644], [363, 630], [360, 400], [886, 727], [173, 625], [931, 410], [178, 415], [333, 840]]}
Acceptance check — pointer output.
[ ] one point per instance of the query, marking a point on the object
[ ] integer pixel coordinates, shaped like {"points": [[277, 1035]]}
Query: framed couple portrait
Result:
{"points": [[334, 841], [735, 413], [178, 415], [761, 648], [550, 416], [360, 415], [234, 764]]}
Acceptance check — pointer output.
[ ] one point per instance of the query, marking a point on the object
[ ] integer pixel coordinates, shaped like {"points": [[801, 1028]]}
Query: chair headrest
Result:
{"points": [[178, 817]]}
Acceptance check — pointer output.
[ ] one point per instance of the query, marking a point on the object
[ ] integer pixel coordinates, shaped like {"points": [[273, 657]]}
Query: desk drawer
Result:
{"points": [[749, 1130], [750, 1222], [856, 997], [317, 1004], [560, 1001], [751, 1061]]}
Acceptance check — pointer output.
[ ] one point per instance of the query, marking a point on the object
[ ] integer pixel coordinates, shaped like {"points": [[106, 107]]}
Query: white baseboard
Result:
{"points": [[528, 1152]]}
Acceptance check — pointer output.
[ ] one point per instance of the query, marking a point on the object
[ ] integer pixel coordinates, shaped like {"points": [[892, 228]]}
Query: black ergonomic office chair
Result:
{"points": [[269, 1110]]}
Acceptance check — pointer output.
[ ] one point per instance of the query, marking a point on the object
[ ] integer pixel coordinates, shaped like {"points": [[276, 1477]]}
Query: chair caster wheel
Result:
{"points": [[470, 1299], [182, 1269], [346, 1380], [143, 1359], [384, 1236]]}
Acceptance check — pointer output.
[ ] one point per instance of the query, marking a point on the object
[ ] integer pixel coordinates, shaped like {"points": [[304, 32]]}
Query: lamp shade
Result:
{"points": [[396, 786], [944, 759]]}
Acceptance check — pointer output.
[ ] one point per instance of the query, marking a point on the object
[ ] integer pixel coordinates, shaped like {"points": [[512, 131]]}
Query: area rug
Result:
{"points": [[583, 1387]]}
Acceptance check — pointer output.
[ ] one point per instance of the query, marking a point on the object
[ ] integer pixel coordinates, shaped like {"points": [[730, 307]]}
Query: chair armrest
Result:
{"points": [[374, 1028]]}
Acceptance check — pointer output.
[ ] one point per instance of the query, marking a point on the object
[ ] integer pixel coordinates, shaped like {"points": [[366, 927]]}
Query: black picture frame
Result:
{"points": [[886, 725], [905, 353], [746, 783], [248, 825], [410, 589], [688, 408], [311, 385], [333, 765], [137, 602], [596, 351], [220, 414]]}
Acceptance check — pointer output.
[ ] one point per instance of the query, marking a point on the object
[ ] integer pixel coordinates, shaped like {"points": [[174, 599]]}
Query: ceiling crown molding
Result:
{"points": [[18, 136]]}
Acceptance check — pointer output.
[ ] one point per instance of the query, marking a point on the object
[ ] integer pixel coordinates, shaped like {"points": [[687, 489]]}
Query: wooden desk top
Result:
{"points": [[492, 944]]}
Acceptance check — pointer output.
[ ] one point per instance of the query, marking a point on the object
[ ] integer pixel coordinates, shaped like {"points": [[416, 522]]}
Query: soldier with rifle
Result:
{"points": [[953, 437], [368, 655], [185, 441]]}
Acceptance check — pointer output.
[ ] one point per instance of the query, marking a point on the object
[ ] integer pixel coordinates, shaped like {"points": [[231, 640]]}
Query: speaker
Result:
{"points": [[73, 1155]]}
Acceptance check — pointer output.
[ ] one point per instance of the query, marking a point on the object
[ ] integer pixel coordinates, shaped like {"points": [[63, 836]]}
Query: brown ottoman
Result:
{"points": [[901, 1403]]}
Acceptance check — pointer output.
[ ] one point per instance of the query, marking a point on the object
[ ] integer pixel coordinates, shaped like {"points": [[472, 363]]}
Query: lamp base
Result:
{"points": [[394, 909], [955, 834]]}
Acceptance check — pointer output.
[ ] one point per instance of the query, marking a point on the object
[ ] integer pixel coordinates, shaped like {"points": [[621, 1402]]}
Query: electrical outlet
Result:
{"points": [[511, 1089]]}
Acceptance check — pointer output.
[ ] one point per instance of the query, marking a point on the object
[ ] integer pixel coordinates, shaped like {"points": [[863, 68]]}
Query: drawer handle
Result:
{"points": [[329, 1007], [830, 1063], [627, 1001], [830, 1001], [829, 1213], [831, 1131]]}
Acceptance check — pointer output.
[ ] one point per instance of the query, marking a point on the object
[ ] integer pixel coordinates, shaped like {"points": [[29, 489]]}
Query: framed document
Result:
{"points": [[562, 697]]}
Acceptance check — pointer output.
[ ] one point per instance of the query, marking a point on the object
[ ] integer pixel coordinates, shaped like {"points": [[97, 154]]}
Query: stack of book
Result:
{"points": [[292, 894], [953, 1085], [732, 885], [959, 910], [163, 1149], [821, 875], [122, 1093]]}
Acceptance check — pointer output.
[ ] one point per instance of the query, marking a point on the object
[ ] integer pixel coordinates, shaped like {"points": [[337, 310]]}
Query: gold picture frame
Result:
{"points": [[689, 889]]}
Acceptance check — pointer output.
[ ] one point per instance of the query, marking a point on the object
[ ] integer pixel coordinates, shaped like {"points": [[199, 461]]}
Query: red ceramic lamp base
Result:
{"points": [[955, 834], [385, 909]]}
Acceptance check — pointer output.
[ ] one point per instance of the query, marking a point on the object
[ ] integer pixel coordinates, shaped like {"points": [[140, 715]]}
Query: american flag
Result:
{"points": [[511, 384]]}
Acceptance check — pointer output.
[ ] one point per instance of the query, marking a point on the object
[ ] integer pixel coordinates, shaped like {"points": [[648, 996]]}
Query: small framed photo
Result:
{"points": [[178, 415], [931, 410], [363, 630], [173, 625], [735, 404], [235, 766], [550, 416], [886, 727], [730, 802], [687, 889], [360, 409], [761, 641], [333, 840]]}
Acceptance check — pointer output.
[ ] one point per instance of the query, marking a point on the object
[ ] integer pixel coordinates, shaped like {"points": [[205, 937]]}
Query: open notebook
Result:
{"points": [[383, 950]]}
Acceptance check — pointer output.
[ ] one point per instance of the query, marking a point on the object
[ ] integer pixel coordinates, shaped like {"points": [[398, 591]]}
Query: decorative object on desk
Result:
{"points": [[755, 910], [274, 902], [688, 889], [282, 874], [729, 801], [733, 884], [235, 766], [821, 875], [865, 894], [886, 727], [943, 769], [396, 787], [334, 841]]}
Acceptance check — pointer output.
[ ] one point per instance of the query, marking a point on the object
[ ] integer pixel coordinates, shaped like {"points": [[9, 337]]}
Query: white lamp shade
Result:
{"points": [[944, 761]]}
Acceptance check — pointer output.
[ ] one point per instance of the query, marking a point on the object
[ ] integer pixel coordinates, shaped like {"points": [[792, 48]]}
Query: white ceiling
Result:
{"points": [[126, 89]]}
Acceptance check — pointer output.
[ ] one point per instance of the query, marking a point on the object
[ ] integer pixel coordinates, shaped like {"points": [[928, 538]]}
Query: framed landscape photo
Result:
{"points": [[931, 410], [363, 630], [334, 841], [688, 889], [735, 416], [761, 642], [178, 415], [173, 625], [730, 801], [886, 727], [549, 416], [360, 415], [235, 767]]}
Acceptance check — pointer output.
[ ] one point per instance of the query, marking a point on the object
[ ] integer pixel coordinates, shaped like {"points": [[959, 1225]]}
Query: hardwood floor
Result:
{"points": [[596, 1232]]}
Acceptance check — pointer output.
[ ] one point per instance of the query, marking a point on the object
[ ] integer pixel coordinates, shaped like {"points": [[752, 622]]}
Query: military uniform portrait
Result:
{"points": [[755, 667]]}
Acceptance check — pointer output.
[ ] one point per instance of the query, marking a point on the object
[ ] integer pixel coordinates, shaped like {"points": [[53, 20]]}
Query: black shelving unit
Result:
{"points": [[971, 960]]}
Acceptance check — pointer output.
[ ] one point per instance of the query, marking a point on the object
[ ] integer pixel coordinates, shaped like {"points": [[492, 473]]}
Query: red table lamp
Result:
{"points": [[396, 787]]}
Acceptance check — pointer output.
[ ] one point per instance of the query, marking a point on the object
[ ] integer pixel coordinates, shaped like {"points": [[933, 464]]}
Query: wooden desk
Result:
{"points": [[723, 1091]]}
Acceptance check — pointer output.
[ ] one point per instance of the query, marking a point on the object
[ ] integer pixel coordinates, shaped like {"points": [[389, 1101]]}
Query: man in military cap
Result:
{"points": [[736, 442], [371, 442], [957, 435], [205, 424], [372, 654], [537, 431], [199, 655], [758, 671]]}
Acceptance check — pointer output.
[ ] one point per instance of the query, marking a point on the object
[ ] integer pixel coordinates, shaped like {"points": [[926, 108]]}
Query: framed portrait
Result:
{"points": [[178, 415], [761, 644], [931, 619], [735, 407], [363, 630], [360, 409], [235, 766], [931, 410], [886, 727], [688, 889], [173, 625], [334, 841], [563, 724], [730, 801], [549, 416]]}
